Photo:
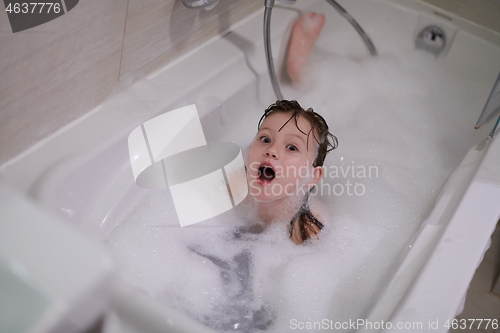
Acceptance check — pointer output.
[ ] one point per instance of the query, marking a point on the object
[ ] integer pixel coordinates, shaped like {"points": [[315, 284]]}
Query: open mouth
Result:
{"points": [[266, 174]]}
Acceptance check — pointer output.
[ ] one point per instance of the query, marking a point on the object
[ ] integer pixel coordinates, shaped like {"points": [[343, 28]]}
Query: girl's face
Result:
{"points": [[280, 159]]}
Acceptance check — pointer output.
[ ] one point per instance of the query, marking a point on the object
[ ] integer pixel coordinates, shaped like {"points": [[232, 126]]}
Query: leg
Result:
{"points": [[305, 31]]}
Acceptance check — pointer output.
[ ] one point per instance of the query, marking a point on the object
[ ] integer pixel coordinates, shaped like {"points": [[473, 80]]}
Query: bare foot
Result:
{"points": [[305, 31]]}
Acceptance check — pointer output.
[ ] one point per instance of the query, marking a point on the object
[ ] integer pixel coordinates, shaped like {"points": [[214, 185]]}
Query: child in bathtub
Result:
{"points": [[285, 162]]}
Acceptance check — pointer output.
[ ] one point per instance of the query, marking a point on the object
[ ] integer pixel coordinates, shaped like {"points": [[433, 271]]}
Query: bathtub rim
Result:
{"points": [[436, 240]]}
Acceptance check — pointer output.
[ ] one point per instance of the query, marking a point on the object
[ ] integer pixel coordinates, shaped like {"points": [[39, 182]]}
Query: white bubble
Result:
{"points": [[401, 113]]}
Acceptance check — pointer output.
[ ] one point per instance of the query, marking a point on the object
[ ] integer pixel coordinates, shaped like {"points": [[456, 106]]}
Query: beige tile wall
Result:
{"points": [[54, 73]]}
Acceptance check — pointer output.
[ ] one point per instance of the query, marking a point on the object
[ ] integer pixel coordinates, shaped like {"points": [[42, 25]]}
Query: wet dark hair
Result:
{"points": [[327, 142], [319, 128], [308, 224]]}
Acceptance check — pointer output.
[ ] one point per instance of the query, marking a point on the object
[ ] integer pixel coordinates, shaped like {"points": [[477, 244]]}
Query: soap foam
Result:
{"points": [[401, 114]]}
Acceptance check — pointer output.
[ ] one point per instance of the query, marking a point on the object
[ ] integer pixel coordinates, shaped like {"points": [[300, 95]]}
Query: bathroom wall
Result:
{"points": [[55, 73]]}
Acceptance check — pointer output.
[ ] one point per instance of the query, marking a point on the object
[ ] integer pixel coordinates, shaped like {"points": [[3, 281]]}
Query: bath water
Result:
{"points": [[403, 124]]}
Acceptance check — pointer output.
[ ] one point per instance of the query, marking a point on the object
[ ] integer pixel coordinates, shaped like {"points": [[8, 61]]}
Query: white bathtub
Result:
{"points": [[83, 171]]}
